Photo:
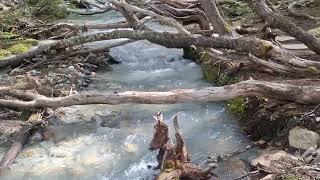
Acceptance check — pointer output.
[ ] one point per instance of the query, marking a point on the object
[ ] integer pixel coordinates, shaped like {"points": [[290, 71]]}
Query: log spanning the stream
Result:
{"points": [[288, 92]]}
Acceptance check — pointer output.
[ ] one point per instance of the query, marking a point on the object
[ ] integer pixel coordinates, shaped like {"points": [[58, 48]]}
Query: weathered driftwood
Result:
{"points": [[173, 159], [288, 92]]}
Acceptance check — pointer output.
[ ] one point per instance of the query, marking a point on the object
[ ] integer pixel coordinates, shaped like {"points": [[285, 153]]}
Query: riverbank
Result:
{"points": [[287, 126]]}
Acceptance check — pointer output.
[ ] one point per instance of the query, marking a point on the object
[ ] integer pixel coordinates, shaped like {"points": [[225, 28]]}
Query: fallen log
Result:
{"points": [[287, 92], [257, 47]]}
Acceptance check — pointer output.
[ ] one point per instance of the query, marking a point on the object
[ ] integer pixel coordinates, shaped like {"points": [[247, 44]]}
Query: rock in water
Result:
{"points": [[303, 138]]}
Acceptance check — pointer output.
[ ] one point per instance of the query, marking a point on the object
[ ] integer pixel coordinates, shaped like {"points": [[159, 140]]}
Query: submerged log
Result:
{"points": [[173, 159]]}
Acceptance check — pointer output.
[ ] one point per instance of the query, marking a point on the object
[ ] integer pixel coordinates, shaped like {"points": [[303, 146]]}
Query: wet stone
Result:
{"points": [[107, 119]]}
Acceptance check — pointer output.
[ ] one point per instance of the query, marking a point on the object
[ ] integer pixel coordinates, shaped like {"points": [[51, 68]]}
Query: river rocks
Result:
{"points": [[265, 158], [303, 138]]}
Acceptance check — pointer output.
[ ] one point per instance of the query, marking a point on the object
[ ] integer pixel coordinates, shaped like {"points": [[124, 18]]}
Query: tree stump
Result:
{"points": [[173, 159]]}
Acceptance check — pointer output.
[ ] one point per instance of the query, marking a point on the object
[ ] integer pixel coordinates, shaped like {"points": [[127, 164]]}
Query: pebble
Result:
{"points": [[51, 66], [34, 72], [71, 68]]}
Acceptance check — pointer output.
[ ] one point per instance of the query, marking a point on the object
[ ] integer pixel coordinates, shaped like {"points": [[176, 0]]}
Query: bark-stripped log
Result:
{"points": [[300, 94]]}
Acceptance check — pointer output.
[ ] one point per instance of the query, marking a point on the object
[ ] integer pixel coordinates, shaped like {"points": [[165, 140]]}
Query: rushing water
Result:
{"points": [[82, 149]]}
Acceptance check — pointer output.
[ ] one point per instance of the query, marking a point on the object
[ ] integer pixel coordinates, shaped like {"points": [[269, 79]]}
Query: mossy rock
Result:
{"points": [[212, 71]]}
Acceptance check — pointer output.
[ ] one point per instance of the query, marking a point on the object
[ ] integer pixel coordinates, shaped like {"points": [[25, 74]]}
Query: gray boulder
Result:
{"points": [[303, 138]]}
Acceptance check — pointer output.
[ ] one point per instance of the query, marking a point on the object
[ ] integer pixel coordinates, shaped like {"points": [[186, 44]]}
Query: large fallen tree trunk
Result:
{"points": [[300, 94]]}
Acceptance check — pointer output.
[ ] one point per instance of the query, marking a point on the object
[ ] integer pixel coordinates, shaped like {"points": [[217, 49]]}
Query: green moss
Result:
{"points": [[19, 48], [189, 53], [291, 177], [237, 106], [212, 71], [32, 42], [237, 11], [47, 10], [312, 70], [4, 53], [15, 46], [263, 50]]}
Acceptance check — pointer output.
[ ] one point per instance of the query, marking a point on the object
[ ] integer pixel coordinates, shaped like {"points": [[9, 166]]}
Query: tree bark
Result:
{"points": [[214, 16]]}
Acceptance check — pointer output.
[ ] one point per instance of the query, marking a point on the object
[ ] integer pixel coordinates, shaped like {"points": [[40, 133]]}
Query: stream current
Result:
{"points": [[111, 142]]}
